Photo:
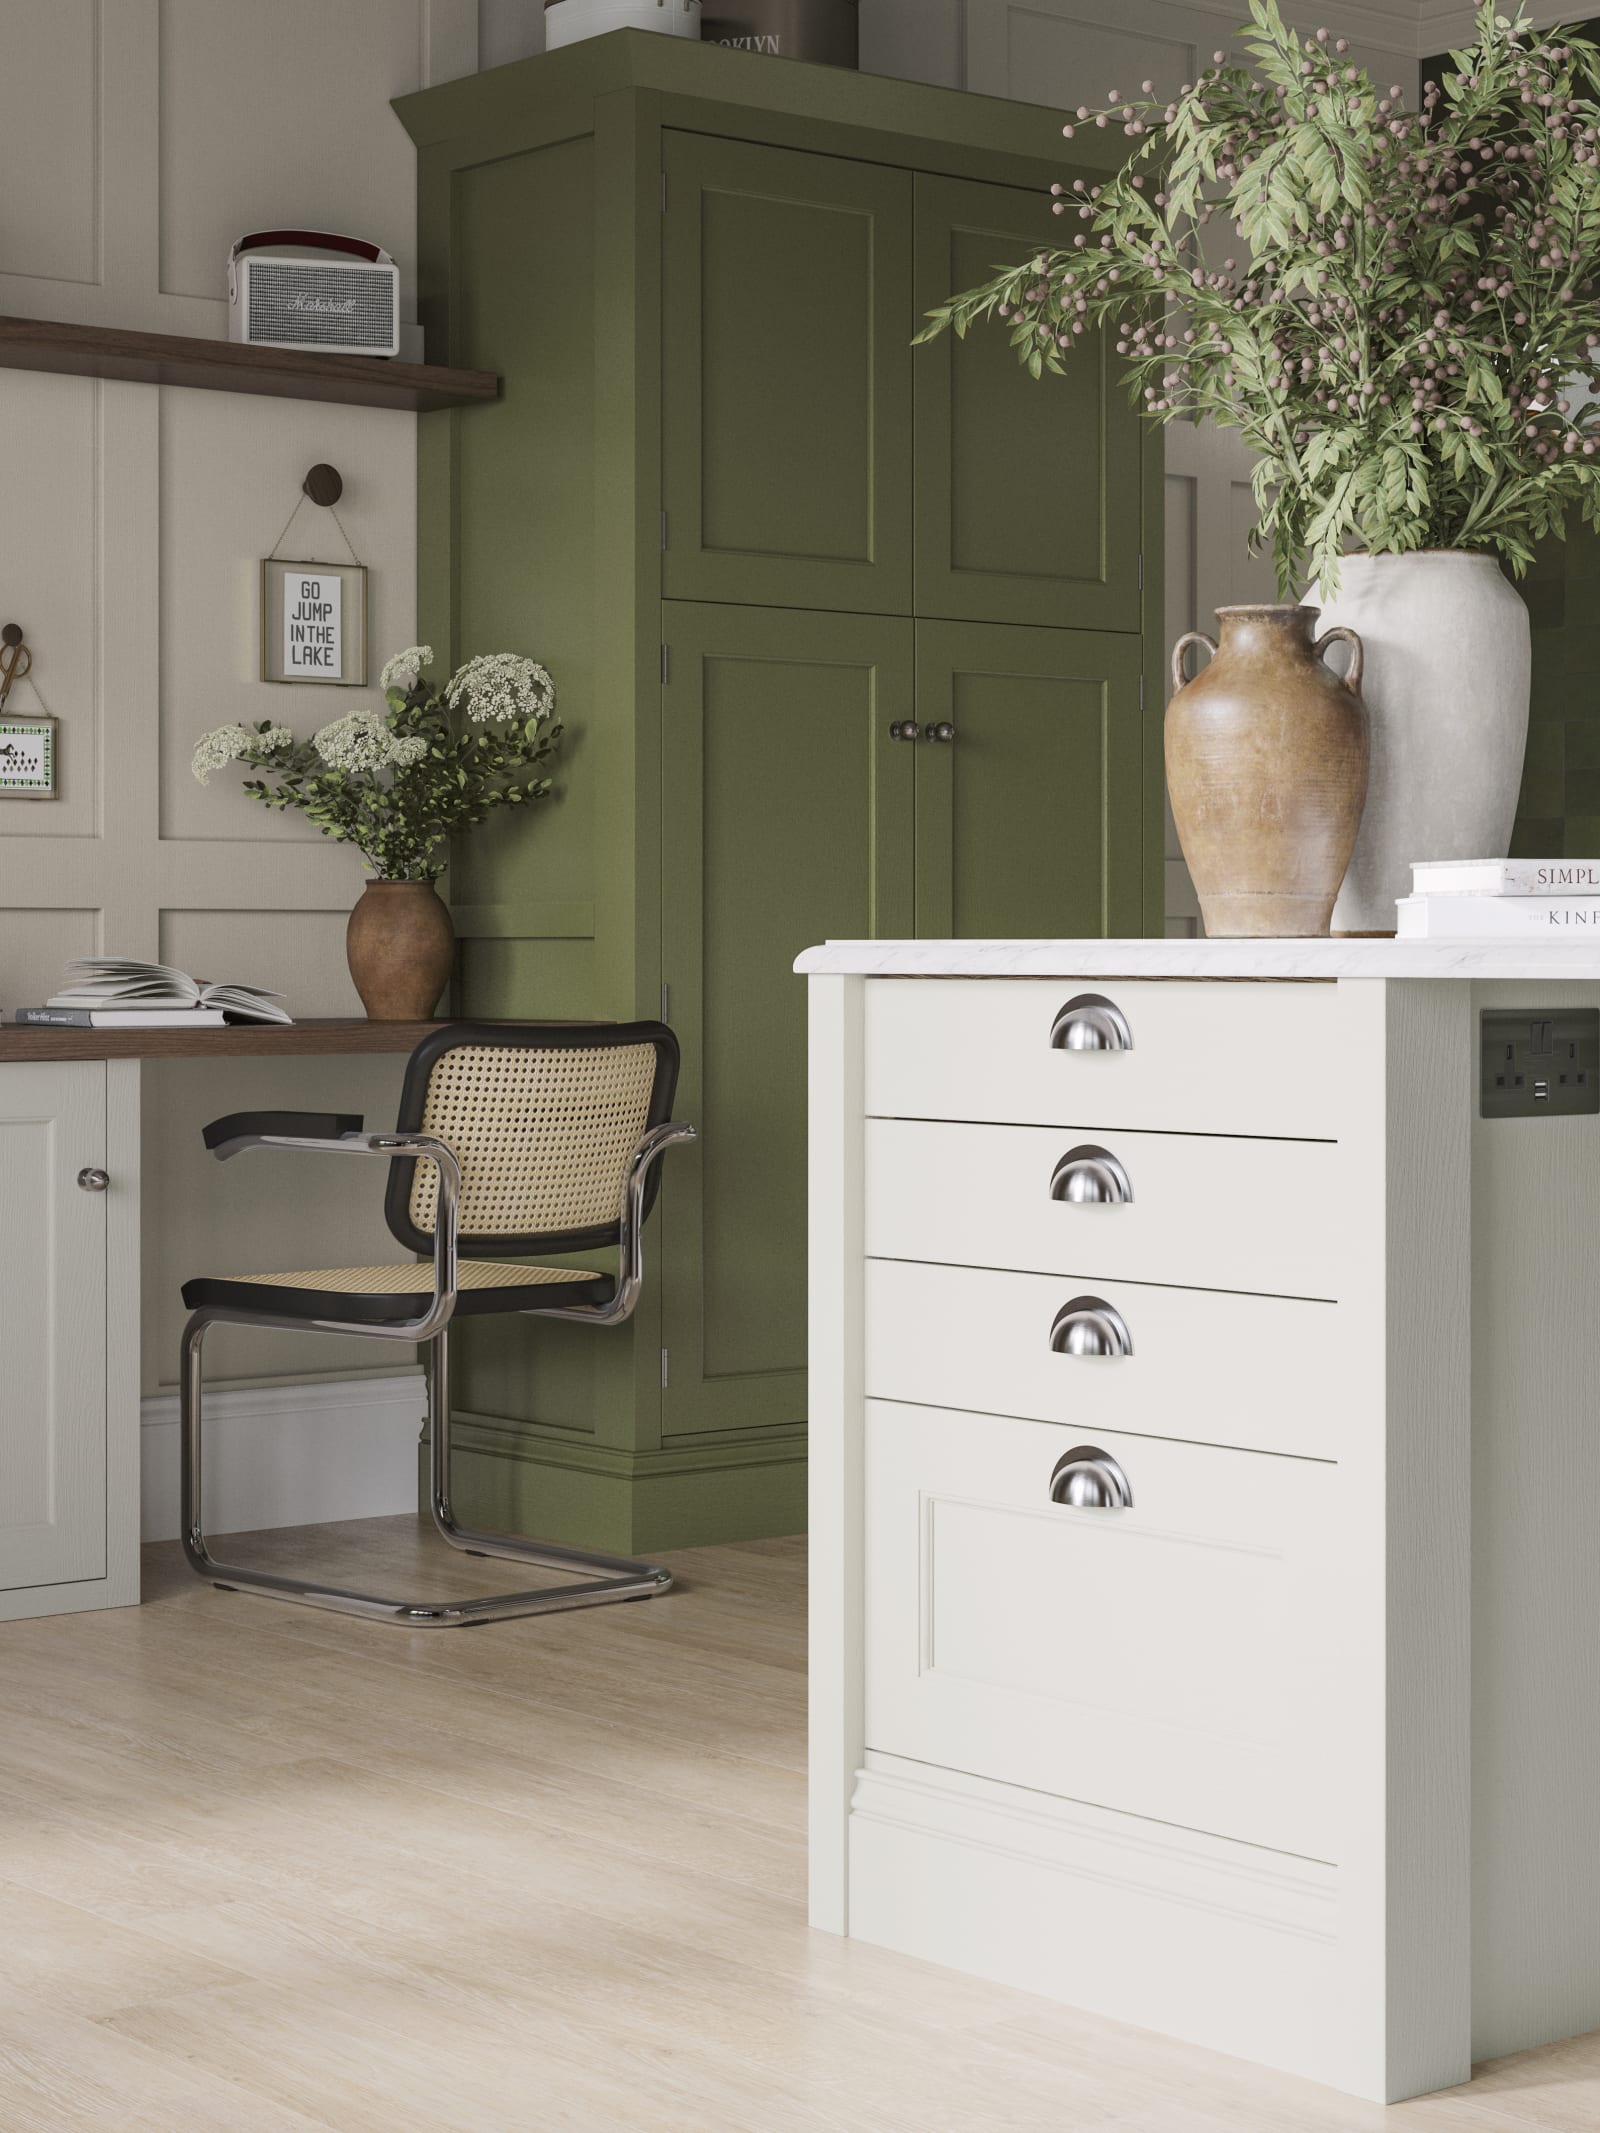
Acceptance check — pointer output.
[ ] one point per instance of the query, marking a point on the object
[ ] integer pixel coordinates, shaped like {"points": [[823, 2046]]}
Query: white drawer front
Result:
{"points": [[1176, 1660], [1206, 1058], [1263, 1372], [1205, 1211]]}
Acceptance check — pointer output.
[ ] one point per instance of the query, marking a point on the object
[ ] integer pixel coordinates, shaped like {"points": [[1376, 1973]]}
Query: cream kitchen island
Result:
{"points": [[1205, 1485]]}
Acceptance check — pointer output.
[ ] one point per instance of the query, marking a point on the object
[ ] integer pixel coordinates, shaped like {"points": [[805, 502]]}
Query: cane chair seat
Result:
{"points": [[373, 1294]]}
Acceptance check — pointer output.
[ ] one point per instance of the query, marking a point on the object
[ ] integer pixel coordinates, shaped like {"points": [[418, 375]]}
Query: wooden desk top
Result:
{"points": [[256, 1040]]}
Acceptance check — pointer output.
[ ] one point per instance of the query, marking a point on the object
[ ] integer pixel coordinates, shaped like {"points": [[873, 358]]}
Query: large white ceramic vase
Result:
{"points": [[1448, 668]]}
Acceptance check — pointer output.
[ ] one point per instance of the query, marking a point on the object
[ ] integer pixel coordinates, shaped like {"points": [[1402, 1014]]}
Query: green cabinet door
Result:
{"points": [[787, 818], [786, 377], [1028, 503], [1029, 820]]}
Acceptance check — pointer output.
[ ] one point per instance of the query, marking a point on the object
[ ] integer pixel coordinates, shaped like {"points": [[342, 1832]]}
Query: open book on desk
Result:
{"points": [[115, 992]]}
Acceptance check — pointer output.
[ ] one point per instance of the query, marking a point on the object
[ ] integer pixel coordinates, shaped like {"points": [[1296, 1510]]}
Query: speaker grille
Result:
{"points": [[333, 306]]}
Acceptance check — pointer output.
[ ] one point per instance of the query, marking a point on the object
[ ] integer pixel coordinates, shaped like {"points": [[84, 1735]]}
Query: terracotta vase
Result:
{"points": [[1267, 759], [400, 944]]}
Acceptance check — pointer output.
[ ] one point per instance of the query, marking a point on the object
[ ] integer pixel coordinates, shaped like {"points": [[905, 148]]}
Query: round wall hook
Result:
{"points": [[11, 633], [323, 484]]}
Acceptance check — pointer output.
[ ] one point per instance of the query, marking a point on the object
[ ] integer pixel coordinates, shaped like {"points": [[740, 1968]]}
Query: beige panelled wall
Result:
{"points": [[140, 138]]}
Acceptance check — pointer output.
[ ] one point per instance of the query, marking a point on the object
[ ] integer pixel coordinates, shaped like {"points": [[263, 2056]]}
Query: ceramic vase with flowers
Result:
{"points": [[398, 784], [1406, 339]]}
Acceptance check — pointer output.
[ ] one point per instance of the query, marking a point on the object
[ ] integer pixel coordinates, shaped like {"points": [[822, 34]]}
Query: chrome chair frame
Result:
{"points": [[610, 1577]]}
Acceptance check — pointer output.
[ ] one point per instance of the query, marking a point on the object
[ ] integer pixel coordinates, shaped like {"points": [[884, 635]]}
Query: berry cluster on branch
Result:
{"points": [[1409, 334]]}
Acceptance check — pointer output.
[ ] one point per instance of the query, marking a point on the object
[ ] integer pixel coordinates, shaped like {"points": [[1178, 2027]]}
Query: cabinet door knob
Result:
{"points": [[1088, 1479], [93, 1180], [1092, 1176], [1091, 1023], [1090, 1326], [943, 731], [905, 729]]}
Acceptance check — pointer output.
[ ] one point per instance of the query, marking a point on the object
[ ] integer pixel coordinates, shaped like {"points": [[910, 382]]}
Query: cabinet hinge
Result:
{"points": [[1141, 573], [663, 532], [666, 662], [664, 1370], [1141, 692], [663, 192], [666, 1001]]}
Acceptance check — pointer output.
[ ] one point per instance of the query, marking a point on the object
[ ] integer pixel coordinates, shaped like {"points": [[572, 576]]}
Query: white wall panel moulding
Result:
{"points": [[1411, 29], [1444, 23], [288, 1455]]}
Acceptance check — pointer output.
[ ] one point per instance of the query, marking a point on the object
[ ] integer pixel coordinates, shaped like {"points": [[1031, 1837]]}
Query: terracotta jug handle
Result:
{"points": [[1352, 680], [1189, 637]]}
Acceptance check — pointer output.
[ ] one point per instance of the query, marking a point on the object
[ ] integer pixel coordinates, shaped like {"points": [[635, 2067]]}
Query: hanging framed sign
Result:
{"points": [[314, 615], [27, 759], [314, 622], [27, 745]]}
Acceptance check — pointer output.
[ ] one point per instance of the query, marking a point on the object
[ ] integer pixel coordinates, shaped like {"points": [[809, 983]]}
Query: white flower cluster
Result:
{"points": [[499, 685], [402, 671], [234, 744], [362, 741]]}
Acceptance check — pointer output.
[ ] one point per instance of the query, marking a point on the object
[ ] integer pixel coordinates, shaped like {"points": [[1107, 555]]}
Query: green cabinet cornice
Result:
{"points": [[880, 118]]}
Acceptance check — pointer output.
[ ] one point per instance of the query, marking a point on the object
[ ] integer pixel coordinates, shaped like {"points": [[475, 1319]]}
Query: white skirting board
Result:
{"points": [[288, 1455], [1225, 1944]]}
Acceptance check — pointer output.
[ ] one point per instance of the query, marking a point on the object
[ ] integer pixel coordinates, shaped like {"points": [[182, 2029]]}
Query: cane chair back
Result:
{"points": [[542, 1119]]}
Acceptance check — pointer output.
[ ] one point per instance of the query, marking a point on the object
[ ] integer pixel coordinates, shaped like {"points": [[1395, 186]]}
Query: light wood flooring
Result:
{"points": [[267, 1871]]}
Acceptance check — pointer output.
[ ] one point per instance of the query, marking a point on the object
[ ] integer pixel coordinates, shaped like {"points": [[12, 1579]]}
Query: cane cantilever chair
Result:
{"points": [[517, 1139]]}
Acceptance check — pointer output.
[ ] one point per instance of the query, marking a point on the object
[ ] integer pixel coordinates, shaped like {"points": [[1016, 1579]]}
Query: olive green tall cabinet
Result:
{"points": [[851, 638]]}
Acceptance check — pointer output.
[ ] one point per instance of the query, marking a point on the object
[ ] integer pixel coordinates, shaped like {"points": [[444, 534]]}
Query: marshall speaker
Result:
{"points": [[306, 289], [824, 30]]}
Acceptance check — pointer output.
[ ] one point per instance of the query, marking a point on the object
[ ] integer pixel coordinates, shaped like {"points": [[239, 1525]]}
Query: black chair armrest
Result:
{"points": [[294, 1125]]}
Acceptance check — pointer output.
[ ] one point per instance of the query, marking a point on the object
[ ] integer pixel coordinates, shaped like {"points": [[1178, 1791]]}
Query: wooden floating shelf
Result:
{"points": [[234, 367]]}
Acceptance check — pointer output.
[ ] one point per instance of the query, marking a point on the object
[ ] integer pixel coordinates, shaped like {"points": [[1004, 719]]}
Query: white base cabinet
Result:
{"points": [[1174, 1660], [1158, 1647], [69, 1343]]}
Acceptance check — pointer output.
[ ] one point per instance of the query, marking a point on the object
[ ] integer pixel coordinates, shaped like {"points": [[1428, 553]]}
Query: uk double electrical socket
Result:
{"points": [[1539, 1062]]}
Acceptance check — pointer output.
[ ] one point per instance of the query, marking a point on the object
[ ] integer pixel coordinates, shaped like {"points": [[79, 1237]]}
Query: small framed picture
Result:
{"points": [[27, 758], [314, 622]]}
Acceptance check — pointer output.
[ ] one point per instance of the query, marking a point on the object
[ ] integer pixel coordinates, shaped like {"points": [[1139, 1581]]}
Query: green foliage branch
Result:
{"points": [[1410, 339]]}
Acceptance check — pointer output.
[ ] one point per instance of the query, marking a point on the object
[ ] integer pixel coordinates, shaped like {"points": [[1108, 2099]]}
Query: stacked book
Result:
{"points": [[1488, 899], [113, 992]]}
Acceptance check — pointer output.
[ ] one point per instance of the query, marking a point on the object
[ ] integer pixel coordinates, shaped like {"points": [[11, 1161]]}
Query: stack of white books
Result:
{"points": [[1487, 899]]}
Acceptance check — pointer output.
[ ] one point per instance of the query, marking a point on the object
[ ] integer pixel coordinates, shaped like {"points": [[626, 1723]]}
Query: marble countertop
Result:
{"points": [[1205, 959]]}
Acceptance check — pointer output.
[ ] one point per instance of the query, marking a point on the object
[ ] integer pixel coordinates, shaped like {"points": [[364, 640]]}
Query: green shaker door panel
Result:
{"points": [[1028, 490], [788, 817], [786, 386], [1029, 822]]}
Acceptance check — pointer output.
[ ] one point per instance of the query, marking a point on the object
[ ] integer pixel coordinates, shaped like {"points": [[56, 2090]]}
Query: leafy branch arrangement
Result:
{"points": [[1411, 338], [399, 783]]}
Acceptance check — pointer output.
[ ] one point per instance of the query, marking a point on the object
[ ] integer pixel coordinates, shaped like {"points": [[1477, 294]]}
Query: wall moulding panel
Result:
{"points": [[345, 62], [1071, 52], [50, 581], [50, 145], [237, 465]]}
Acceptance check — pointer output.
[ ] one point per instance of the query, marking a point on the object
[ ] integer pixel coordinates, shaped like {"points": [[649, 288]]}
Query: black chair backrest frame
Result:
{"points": [[522, 1037]]}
